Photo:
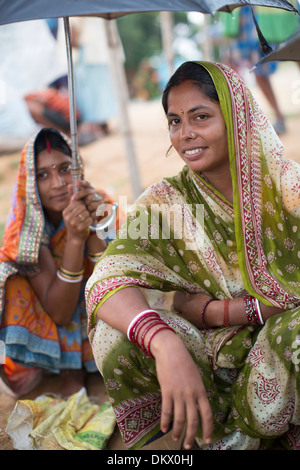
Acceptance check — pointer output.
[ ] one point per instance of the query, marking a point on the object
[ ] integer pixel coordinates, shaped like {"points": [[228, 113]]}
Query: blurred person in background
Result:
{"points": [[30, 60], [245, 49], [94, 86]]}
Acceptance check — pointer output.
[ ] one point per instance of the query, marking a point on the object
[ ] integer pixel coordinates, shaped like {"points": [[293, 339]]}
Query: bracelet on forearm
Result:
{"points": [[163, 327], [71, 274], [252, 310], [147, 327], [141, 325], [71, 278], [94, 257], [132, 327], [203, 312], [259, 315]]}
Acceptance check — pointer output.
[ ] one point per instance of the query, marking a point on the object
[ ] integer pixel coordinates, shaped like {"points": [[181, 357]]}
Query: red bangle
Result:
{"points": [[148, 327], [226, 313], [203, 311], [141, 323], [134, 329], [163, 327]]}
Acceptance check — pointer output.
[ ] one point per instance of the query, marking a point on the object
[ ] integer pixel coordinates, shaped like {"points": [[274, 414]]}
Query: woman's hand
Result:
{"points": [[190, 306], [183, 392], [182, 388], [77, 218], [91, 199], [81, 211]]}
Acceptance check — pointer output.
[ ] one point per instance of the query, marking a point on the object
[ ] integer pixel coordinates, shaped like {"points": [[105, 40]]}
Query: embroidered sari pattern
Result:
{"points": [[226, 250], [254, 143], [30, 336]]}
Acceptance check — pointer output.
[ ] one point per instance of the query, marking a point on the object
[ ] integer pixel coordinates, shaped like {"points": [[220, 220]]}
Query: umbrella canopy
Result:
{"points": [[12, 11], [289, 49]]}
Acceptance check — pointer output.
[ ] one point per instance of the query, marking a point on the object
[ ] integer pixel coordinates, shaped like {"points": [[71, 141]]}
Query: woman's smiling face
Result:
{"points": [[197, 129], [53, 174]]}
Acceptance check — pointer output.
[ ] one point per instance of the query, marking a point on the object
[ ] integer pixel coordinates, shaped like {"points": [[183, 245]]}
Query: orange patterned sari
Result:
{"points": [[31, 338]]}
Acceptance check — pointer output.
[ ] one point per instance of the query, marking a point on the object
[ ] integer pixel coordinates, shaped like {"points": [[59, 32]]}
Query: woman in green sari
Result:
{"points": [[224, 236]]}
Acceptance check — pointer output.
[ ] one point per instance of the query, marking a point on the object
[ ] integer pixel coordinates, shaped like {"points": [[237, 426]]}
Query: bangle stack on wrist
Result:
{"points": [[69, 276], [141, 325], [252, 310], [94, 257]]}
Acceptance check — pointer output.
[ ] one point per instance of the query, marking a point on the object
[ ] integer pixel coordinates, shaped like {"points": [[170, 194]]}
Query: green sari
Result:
{"points": [[181, 234]]}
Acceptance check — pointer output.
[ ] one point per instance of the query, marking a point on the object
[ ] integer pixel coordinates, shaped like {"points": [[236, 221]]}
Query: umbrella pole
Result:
{"points": [[76, 169], [71, 89], [122, 97], [166, 27]]}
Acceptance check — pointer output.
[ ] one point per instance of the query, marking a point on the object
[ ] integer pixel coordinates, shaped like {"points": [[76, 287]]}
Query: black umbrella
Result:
{"points": [[12, 11], [289, 49]]}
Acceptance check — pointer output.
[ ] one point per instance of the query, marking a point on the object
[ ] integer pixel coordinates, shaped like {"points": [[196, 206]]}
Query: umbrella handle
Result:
{"points": [[108, 222], [72, 102]]}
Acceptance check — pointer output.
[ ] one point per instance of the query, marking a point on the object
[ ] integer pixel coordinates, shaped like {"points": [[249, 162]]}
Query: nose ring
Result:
{"points": [[192, 135]]}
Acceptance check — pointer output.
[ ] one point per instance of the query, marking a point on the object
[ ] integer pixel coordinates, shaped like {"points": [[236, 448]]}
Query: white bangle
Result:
{"points": [[139, 315], [261, 321], [71, 281]]}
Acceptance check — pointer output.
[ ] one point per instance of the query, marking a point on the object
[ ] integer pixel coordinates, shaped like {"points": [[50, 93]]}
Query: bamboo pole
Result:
{"points": [[122, 98]]}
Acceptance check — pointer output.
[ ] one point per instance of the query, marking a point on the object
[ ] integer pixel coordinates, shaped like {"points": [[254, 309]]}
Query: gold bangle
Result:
{"points": [[96, 255], [71, 274], [70, 277], [71, 280]]}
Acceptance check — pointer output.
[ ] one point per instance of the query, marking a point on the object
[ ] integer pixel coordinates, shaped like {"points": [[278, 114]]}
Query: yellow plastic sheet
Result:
{"points": [[49, 423]]}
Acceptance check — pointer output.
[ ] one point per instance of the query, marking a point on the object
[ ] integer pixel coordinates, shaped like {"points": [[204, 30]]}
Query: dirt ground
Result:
{"points": [[106, 167]]}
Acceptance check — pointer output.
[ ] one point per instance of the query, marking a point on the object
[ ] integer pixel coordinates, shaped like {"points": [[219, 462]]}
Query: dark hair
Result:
{"points": [[197, 74], [54, 139]]}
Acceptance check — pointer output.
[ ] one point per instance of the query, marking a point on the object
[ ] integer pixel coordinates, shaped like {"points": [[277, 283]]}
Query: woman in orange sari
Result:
{"points": [[48, 253]]}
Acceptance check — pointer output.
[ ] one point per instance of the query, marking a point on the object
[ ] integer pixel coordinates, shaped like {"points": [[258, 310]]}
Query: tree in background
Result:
{"points": [[141, 37]]}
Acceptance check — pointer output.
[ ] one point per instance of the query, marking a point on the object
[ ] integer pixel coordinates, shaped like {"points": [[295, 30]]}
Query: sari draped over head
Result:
{"points": [[31, 338], [182, 234]]}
